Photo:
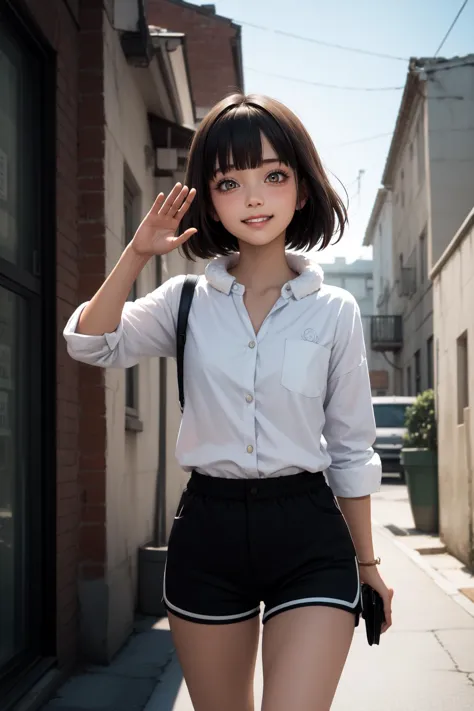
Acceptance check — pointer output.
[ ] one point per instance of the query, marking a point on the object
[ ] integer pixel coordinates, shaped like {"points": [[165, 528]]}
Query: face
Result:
{"points": [[256, 205]]}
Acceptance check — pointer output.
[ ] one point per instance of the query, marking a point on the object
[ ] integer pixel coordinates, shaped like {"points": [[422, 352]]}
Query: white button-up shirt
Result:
{"points": [[293, 397]]}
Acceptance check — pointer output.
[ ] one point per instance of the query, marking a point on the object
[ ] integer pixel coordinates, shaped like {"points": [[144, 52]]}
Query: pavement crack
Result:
{"points": [[445, 649]]}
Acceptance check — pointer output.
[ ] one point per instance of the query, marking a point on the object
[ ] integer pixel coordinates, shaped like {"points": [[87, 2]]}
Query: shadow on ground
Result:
{"points": [[128, 683]]}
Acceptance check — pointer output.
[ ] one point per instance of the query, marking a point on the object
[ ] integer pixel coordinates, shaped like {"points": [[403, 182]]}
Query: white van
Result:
{"points": [[389, 411]]}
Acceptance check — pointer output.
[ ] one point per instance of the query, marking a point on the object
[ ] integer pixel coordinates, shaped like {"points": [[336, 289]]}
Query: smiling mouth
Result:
{"points": [[257, 220]]}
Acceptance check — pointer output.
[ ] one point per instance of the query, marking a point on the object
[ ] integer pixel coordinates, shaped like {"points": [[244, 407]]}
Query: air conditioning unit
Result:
{"points": [[166, 159]]}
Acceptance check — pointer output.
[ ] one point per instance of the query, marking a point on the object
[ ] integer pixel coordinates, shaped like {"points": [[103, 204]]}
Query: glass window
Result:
{"points": [[423, 273], [390, 414], [129, 226], [19, 151], [131, 374], [13, 469], [429, 361], [417, 372], [26, 387], [420, 149], [462, 376]]}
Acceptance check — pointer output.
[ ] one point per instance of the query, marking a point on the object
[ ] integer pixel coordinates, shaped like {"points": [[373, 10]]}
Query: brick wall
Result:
{"points": [[66, 284], [209, 47], [60, 27], [92, 266]]}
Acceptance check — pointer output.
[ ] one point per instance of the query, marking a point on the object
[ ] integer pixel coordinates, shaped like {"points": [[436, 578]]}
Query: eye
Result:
{"points": [[277, 176], [225, 185]]}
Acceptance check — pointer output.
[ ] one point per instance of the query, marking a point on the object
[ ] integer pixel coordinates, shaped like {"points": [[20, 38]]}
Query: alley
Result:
{"points": [[424, 663]]}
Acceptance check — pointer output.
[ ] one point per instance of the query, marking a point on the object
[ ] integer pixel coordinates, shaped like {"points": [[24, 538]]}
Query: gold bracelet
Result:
{"points": [[371, 562]]}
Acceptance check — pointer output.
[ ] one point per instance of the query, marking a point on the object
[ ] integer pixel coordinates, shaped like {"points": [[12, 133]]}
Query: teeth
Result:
{"points": [[258, 219]]}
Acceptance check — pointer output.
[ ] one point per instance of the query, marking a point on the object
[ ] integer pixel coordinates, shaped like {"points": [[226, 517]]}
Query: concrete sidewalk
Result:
{"points": [[425, 662], [391, 510]]}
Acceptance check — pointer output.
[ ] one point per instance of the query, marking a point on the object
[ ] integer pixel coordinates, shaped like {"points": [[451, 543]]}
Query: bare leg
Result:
{"points": [[304, 652], [218, 662]]}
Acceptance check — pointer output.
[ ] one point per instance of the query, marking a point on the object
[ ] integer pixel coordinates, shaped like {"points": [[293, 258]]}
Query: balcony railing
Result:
{"points": [[386, 333]]}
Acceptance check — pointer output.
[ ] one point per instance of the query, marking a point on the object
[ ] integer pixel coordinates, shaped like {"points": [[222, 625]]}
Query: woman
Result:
{"points": [[277, 392]]}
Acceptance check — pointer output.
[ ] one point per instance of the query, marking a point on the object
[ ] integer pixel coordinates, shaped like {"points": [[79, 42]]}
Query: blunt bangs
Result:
{"points": [[229, 136], [235, 140]]}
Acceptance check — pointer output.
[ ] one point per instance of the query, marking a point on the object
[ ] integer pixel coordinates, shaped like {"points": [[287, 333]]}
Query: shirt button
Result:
{"points": [[250, 449], [252, 344], [235, 287], [288, 287], [253, 490], [249, 398]]}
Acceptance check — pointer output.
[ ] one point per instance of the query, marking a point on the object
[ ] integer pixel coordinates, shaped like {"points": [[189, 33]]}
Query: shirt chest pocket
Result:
{"points": [[305, 367]]}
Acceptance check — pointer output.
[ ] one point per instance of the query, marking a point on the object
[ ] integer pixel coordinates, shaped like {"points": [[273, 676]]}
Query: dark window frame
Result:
{"points": [[132, 375], [462, 375], [409, 380], [420, 150], [423, 257], [36, 284], [417, 358], [430, 361]]}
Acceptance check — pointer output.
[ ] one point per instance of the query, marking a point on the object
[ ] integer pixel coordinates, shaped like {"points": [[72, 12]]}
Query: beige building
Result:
{"points": [[429, 183], [453, 289], [358, 279], [148, 123]]}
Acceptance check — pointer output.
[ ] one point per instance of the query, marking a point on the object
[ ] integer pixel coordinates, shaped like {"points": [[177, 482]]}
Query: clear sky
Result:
{"points": [[335, 117]]}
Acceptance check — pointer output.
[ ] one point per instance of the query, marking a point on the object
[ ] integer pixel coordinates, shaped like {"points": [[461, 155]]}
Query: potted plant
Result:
{"points": [[420, 462]]}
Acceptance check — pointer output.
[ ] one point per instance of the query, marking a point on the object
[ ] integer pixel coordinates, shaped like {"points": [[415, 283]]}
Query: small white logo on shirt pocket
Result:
{"points": [[309, 334], [305, 367]]}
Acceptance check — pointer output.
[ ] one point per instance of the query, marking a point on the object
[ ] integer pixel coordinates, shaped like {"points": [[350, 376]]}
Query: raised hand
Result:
{"points": [[157, 232]]}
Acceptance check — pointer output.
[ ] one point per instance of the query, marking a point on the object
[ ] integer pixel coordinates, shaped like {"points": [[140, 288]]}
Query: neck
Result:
{"points": [[262, 267]]}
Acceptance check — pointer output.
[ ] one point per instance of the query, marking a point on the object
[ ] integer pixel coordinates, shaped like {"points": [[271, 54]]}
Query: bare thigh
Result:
{"points": [[218, 662], [304, 652]]}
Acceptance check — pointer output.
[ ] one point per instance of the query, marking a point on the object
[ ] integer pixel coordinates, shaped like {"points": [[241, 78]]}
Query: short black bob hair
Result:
{"points": [[231, 134]]}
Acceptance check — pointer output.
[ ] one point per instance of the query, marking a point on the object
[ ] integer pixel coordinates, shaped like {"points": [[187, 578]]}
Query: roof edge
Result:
{"points": [[411, 92], [418, 70], [201, 10], [458, 238], [376, 210]]}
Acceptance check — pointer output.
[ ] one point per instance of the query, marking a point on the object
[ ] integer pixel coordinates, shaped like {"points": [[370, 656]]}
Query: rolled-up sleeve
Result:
{"points": [[349, 429], [147, 328]]}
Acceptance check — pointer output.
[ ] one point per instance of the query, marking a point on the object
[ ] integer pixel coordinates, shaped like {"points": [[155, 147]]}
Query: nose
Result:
{"points": [[253, 199]]}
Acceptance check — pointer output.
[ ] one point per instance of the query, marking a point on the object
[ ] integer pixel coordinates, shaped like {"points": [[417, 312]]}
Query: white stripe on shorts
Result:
{"points": [[211, 618], [310, 600]]}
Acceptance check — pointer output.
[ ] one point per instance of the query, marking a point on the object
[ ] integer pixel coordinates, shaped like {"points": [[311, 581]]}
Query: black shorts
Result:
{"points": [[235, 543]]}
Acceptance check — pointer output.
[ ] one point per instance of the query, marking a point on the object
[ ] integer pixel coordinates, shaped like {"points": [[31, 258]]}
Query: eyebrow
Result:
{"points": [[264, 162]]}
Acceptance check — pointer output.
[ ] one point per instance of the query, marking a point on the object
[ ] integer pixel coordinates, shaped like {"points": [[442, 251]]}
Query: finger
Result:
{"points": [[178, 241], [170, 199], [178, 201], [388, 611], [158, 203], [186, 205]]}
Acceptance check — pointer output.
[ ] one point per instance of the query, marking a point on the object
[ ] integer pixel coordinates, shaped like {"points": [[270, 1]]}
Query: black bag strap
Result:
{"points": [[185, 302]]}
